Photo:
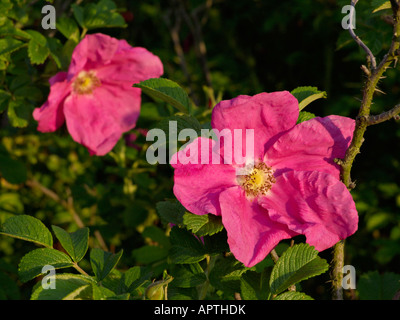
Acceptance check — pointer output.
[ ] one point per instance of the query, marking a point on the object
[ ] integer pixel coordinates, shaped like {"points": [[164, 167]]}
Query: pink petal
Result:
{"points": [[269, 114], [251, 233], [315, 204], [197, 186], [131, 65], [93, 50], [312, 145], [50, 115], [98, 120]]}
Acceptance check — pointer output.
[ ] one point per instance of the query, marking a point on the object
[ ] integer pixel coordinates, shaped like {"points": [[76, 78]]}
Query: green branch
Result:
{"points": [[363, 120]]}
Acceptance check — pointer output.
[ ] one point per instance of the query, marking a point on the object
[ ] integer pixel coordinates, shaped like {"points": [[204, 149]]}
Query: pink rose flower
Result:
{"points": [[95, 97], [293, 189]]}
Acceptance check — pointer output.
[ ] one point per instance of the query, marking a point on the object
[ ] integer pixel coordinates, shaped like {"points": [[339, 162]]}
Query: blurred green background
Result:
{"points": [[246, 47]]}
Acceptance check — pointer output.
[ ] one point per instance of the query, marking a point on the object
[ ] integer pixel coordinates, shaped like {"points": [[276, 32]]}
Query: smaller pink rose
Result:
{"points": [[95, 98]]}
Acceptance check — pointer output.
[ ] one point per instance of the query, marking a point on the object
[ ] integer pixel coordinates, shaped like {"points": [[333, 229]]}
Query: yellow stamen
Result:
{"points": [[86, 82], [258, 181]]}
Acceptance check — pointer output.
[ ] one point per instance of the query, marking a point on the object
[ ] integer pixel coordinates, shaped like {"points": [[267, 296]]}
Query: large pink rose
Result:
{"points": [[292, 189], [95, 97]]}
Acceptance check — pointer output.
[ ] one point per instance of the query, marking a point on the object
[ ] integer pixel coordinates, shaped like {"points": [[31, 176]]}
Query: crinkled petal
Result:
{"points": [[131, 65], [312, 145], [92, 51], [50, 115], [268, 114], [197, 184], [98, 120], [314, 204], [251, 233]]}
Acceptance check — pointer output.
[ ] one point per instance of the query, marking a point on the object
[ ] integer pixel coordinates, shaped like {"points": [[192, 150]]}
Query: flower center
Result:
{"points": [[86, 82], [258, 181]]}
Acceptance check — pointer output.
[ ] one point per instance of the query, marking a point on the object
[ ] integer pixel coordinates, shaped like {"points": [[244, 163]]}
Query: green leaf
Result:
{"points": [[101, 293], [68, 28], [27, 228], [306, 95], [4, 100], [37, 47], [68, 287], [133, 279], [78, 14], [380, 5], [31, 264], [293, 295], [254, 285], [186, 248], [14, 171], [304, 116], [203, 225], [171, 211], [166, 90], [103, 262], [148, 254], [101, 15], [188, 275], [375, 286], [75, 243], [9, 45], [298, 263], [19, 112], [227, 274]]}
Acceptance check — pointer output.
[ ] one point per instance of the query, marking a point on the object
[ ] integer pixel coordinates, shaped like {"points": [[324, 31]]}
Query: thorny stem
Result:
{"points": [[363, 120]]}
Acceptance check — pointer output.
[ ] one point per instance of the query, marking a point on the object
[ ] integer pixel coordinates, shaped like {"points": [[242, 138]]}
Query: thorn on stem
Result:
{"points": [[352, 185], [338, 161], [366, 70]]}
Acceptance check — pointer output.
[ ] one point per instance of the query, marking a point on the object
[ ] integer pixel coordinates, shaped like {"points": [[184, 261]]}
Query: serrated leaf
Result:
{"points": [[304, 116], [293, 295], [75, 243], [14, 171], [37, 47], [37, 53], [103, 262], [166, 90], [31, 264], [298, 263], [306, 95], [27, 228], [202, 225], [375, 286], [186, 248], [68, 287], [9, 45]]}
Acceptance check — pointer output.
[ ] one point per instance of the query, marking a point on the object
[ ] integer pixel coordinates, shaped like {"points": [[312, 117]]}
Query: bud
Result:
{"points": [[157, 290]]}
